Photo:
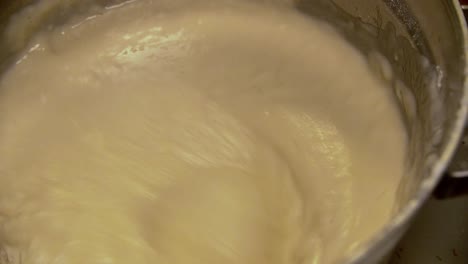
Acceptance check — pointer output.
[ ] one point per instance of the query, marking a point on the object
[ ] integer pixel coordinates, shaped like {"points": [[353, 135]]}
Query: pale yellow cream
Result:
{"points": [[195, 135]]}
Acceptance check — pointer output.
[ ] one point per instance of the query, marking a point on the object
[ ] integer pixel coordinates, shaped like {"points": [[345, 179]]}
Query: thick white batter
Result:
{"points": [[230, 135]]}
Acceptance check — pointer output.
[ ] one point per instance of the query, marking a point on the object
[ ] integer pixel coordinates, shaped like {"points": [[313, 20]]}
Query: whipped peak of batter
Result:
{"points": [[217, 135]]}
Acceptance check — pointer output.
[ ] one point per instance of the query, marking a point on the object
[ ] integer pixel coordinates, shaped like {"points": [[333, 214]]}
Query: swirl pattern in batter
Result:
{"points": [[217, 135]]}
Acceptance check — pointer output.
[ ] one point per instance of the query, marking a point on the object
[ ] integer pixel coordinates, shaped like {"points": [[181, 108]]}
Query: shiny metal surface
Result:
{"points": [[437, 30], [439, 233], [426, 44], [455, 181]]}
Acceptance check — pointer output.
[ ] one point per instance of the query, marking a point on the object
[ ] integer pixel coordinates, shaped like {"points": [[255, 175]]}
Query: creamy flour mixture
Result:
{"points": [[194, 135]]}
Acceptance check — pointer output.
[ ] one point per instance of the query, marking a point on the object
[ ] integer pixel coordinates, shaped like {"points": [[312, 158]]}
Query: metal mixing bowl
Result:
{"points": [[426, 44]]}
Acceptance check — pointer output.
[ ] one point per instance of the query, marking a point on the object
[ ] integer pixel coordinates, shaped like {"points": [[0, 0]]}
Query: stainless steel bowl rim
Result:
{"points": [[408, 212]]}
